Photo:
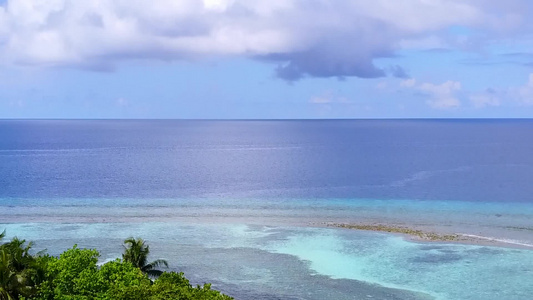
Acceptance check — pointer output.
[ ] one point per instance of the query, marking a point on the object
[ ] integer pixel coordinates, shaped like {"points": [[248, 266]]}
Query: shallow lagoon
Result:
{"points": [[272, 249]]}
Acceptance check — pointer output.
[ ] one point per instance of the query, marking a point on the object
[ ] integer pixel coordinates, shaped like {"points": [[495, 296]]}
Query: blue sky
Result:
{"points": [[266, 59]]}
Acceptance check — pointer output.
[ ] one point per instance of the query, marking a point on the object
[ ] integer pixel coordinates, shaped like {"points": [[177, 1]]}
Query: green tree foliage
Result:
{"points": [[136, 252], [75, 275], [172, 285], [124, 281], [20, 271]]}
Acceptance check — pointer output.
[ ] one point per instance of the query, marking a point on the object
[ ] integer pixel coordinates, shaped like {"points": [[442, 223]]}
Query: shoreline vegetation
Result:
{"points": [[76, 274]]}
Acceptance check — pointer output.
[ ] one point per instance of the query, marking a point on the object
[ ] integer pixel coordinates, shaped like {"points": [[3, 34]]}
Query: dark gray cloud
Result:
{"points": [[398, 72], [295, 66]]}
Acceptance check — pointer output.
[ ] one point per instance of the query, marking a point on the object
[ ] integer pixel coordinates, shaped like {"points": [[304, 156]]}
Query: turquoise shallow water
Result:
{"points": [[443, 271], [269, 249], [506, 222]]}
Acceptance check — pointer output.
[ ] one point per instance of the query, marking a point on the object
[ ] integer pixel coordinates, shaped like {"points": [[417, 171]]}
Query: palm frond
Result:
{"points": [[136, 252], [153, 265], [154, 273]]}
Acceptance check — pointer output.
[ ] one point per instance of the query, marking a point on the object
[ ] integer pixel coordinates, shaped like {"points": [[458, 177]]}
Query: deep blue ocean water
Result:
{"points": [[471, 160], [236, 199]]}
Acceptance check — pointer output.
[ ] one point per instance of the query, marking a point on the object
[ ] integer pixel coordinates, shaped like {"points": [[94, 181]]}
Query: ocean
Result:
{"points": [[243, 204]]}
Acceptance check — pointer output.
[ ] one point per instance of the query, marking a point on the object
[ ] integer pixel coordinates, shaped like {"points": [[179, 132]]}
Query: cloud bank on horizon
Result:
{"points": [[311, 38]]}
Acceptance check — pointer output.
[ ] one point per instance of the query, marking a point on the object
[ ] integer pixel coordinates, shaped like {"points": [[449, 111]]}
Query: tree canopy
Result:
{"points": [[76, 275]]}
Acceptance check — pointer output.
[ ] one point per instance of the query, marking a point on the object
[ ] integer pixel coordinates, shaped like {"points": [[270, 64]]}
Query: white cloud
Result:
{"points": [[487, 98], [319, 38], [408, 83], [440, 96], [525, 92], [424, 42], [219, 5], [521, 95], [448, 95]]}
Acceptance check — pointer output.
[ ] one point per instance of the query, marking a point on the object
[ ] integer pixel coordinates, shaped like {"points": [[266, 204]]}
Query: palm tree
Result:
{"points": [[136, 252], [18, 270], [8, 278]]}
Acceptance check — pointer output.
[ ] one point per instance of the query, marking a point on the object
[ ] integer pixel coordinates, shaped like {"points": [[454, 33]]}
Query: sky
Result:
{"points": [[258, 59]]}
